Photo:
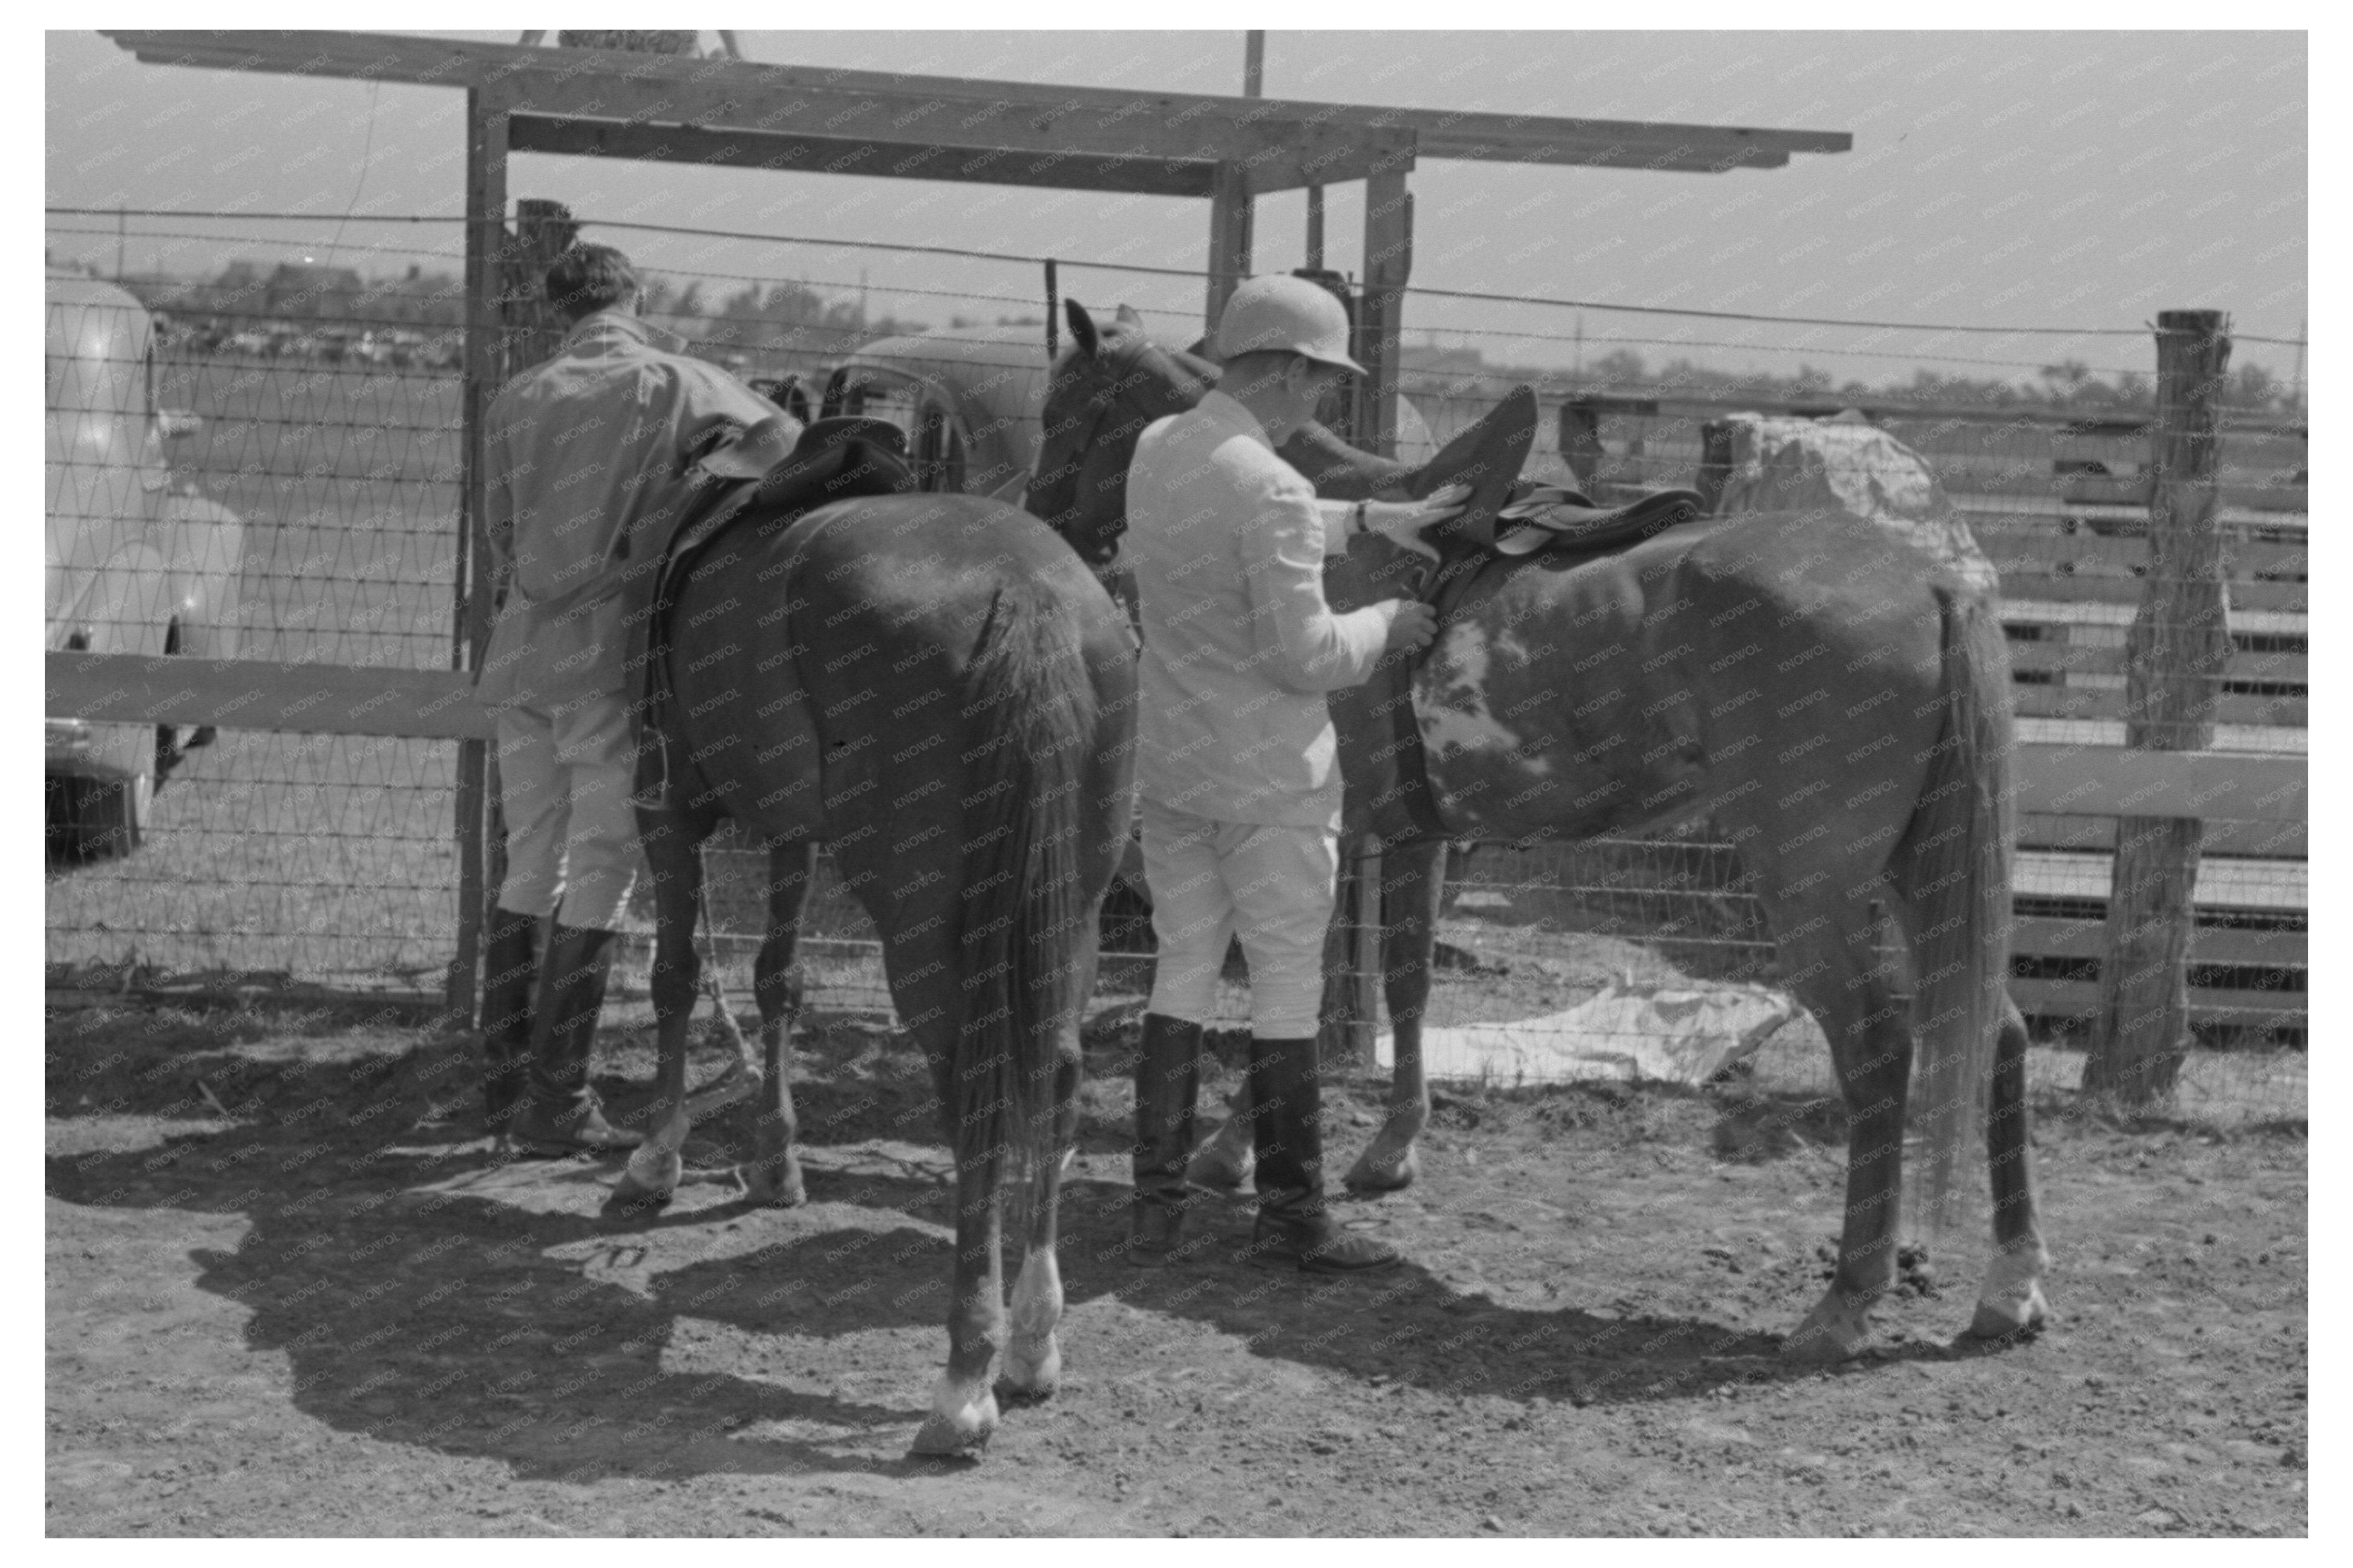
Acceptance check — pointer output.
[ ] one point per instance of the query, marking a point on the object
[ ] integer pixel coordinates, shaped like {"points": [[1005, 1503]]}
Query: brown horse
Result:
{"points": [[1833, 700], [935, 687]]}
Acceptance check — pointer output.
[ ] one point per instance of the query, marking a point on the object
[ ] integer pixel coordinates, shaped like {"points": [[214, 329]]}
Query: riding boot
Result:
{"points": [[559, 1113], [1167, 1080], [1292, 1224], [509, 975]]}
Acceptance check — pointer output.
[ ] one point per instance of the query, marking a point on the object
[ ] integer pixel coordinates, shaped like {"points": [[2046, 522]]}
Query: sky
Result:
{"points": [[2082, 181]]}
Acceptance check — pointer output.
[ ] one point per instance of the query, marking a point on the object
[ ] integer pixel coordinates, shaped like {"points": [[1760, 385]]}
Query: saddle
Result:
{"points": [[1386, 784], [750, 481]]}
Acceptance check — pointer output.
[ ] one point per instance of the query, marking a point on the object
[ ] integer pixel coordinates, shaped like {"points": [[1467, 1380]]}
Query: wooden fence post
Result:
{"points": [[2175, 656], [486, 200]]}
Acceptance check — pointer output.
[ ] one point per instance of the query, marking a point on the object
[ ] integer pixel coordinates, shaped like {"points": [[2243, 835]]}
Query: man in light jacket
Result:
{"points": [[1238, 765], [585, 453]]}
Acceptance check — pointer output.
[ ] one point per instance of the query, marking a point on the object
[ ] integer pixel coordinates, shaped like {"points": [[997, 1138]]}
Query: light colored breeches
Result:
{"points": [[1272, 886], [572, 835]]}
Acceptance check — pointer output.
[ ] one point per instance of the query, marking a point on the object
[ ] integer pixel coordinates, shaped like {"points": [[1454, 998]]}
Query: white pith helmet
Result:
{"points": [[1279, 311]]}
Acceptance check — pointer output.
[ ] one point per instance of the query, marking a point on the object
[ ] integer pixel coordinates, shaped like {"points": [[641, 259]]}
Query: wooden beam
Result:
{"points": [[265, 694], [2113, 781], [954, 110], [1229, 238], [832, 155], [1274, 153], [431, 704]]}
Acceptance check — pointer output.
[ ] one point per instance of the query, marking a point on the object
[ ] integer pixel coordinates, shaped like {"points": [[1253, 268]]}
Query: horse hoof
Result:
{"points": [[2012, 1319], [629, 1200], [1031, 1379], [1835, 1330], [1394, 1176], [958, 1427], [772, 1189]]}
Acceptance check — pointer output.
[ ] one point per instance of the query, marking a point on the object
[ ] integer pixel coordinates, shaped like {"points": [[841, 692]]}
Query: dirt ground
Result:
{"points": [[290, 1290]]}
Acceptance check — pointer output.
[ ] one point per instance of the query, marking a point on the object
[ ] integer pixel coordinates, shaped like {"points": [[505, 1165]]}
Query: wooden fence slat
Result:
{"points": [[2093, 702], [2075, 658], [2293, 597], [2042, 936], [264, 694], [2081, 999], [2224, 836]]}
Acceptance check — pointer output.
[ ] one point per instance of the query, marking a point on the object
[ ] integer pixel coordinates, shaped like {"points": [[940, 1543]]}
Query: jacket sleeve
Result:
{"points": [[1306, 647]]}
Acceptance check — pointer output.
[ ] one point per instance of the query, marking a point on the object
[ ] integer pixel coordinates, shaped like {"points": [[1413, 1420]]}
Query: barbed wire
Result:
{"points": [[968, 253]]}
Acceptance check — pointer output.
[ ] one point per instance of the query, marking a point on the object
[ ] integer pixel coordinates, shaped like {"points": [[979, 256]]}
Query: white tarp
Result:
{"points": [[1681, 1034]]}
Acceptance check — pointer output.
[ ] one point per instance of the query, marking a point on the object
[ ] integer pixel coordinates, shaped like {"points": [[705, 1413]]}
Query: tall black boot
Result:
{"points": [[1286, 1101], [1167, 1080], [559, 1113], [510, 976]]}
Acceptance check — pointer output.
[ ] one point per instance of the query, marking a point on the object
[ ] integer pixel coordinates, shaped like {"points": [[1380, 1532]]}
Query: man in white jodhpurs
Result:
{"points": [[1238, 765]]}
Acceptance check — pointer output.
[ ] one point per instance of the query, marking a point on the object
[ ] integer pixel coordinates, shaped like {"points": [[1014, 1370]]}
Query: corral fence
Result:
{"points": [[332, 407]]}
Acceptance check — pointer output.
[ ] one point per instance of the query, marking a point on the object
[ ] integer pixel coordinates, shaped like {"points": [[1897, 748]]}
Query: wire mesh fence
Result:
{"points": [[330, 405]]}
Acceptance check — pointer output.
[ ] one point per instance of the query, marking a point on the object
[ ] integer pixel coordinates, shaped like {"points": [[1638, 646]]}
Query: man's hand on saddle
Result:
{"points": [[1413, 625], [1401, 521]]}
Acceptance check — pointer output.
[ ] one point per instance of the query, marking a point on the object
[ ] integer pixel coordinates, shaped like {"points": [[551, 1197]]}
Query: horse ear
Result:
{"points": [[1082, 328], [1129, 317]]}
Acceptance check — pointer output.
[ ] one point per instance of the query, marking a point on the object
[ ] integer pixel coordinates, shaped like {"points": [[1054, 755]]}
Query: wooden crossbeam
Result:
{"points": [[815, 155], [962, 111], [434, 704], [1284, 154], [265, 694]]}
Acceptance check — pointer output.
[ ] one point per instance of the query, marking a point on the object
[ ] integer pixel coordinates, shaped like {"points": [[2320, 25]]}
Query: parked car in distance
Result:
{"points": [[134, 563]]}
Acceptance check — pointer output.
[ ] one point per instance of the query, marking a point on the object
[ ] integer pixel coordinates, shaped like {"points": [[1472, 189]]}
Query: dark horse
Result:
{"points": [[1833, 700], [936, 688]]}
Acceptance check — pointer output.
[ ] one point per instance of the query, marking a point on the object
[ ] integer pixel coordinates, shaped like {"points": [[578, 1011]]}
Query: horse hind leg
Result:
{"points": [[672, 844], [2011, 1305], [772, 1176], [1033, 1356], [1828, 958], [964, 1414], [1413, 878]]}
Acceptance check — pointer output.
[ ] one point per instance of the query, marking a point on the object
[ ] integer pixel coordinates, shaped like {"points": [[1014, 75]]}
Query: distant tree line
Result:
{"points": [[2069, 385]]}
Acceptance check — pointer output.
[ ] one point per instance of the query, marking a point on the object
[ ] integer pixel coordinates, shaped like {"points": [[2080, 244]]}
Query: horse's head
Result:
{"points": [[1107, 387]]}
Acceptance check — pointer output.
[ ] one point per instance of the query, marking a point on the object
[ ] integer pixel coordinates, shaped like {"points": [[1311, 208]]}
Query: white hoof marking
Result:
{"points": [[962, 1420]]}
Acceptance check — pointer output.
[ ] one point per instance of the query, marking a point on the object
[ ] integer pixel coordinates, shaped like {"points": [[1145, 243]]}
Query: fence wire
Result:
{"points": [[330, 408]]}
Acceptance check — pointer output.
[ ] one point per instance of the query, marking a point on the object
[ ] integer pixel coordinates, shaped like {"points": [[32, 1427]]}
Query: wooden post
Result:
{"points": [[1316, 228], [2175, 656], [486, 202], [1352, 960], [1388, 263], [1229, 236], [1352, 944]]}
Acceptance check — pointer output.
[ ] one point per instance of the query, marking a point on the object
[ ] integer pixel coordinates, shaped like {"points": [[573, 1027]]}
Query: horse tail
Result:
{"points": [[1024, 918], [1953, 864]]}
